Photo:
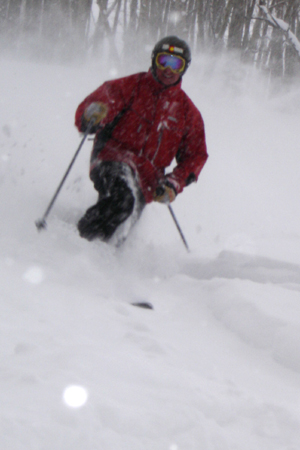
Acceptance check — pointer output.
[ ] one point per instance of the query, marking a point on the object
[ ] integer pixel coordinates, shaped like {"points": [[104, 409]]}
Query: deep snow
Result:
{"points": [[216, 365]]}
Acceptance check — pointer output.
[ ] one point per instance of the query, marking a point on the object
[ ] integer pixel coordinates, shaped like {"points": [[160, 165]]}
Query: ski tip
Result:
{"points": [[144, 305]]}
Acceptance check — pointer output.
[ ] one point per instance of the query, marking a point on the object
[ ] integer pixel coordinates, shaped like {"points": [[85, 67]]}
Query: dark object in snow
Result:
{"points": [[41, 224], [144, 305]]}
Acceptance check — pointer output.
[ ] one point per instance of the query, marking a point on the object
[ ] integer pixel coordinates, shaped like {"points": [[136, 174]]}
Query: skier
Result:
{"points": [[142, 122]]}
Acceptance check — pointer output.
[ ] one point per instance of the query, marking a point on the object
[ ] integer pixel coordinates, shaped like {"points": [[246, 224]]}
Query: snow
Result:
{"points": [[216, 364]]}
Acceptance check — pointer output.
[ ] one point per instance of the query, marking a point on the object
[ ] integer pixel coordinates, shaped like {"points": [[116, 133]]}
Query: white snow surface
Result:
{"points": [[216, 364]]}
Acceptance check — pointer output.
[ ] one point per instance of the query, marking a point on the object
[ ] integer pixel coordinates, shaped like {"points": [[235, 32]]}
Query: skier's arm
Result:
{"points": [[109, 96], [192, 153]]}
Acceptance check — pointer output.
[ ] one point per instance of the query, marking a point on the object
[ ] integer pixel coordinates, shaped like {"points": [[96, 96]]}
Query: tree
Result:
{"points": [[265, 32]]}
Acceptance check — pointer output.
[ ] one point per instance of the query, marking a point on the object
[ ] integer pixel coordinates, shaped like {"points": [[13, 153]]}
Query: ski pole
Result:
{"points": [[41, 224], [178, 228]]}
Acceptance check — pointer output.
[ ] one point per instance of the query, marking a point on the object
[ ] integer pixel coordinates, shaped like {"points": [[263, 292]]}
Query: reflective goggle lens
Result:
{"points": [[164, 60]]}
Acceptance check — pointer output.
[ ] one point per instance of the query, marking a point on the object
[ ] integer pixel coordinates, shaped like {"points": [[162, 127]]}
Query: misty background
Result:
{"points": [[263, 34]]}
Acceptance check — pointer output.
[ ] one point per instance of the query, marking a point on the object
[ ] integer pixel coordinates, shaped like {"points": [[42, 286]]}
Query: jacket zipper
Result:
{"points": [[158, 144]]}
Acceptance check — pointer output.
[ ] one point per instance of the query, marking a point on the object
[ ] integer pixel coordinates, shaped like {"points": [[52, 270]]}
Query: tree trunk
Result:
{"points": [[236, 24]]}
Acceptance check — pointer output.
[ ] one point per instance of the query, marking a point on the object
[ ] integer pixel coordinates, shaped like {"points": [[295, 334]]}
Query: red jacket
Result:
{"points": [[159, 124]]}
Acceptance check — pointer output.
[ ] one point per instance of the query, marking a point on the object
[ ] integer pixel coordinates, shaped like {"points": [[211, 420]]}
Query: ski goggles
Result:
{"points": [[174, 62]]}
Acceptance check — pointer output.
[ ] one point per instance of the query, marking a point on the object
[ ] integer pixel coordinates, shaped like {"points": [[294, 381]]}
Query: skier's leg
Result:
{"points": [[119, 198], [124, 228]]}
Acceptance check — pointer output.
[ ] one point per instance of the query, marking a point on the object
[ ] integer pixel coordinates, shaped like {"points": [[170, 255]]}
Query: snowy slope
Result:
{"points": [[216, 365]]}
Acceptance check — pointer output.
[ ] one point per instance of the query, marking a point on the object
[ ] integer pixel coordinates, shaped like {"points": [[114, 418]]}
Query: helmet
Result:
{"points": [[174, 45]]}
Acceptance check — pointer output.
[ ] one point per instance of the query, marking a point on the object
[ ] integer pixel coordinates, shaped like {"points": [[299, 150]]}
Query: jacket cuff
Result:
{"points": [[170, 182]]}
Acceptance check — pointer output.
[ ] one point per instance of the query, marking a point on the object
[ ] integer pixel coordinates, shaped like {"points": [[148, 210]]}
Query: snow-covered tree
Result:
{"points": [[265, 33]]}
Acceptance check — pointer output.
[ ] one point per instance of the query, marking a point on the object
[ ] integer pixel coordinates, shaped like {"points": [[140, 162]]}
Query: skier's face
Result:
{"points": [[167, 76]]}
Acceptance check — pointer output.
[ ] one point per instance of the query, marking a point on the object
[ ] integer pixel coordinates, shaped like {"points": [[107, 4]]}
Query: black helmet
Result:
{"points": [[174, 45]]}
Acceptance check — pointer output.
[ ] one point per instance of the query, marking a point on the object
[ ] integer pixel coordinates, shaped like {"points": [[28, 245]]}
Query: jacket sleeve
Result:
{"points": [[110, 93], [192, 152]]}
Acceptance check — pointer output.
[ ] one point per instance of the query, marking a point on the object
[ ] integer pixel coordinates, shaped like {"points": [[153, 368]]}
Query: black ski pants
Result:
{"points": [[120, 200]]}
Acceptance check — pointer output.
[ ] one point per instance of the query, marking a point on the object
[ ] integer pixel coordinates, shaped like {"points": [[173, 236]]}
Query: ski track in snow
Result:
{"points": [[216, 365]]}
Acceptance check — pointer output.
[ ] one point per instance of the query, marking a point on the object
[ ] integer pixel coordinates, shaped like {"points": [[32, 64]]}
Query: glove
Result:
{"points": [[165, 193], [95, 111]]}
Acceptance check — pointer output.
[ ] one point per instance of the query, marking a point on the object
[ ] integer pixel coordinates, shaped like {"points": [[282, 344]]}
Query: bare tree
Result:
{"points": [[265, 32], [284, 46]]}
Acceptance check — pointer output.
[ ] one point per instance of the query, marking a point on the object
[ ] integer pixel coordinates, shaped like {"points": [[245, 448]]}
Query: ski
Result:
{"points": [[144, 305]]}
